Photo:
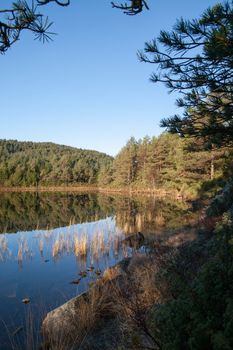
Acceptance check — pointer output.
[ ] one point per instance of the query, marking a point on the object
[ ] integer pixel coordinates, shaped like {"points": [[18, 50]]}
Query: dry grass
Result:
{"points": [[83, 246], [74, 328], [5, 252], [123, 296], [159, 193], [27, 335], [83, 243], [20, 255], [23, 251], [41, 244], [140, 291], [55, 249], [159, 219], [76, 246]]}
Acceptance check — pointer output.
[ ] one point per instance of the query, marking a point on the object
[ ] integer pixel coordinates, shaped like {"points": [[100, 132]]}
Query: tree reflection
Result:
{"points": [[90, 227], [30, 211]]}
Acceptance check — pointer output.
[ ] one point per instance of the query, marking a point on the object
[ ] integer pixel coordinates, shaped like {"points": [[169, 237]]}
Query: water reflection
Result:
{"points": [[53, 245], [93, 224], [87, 242], [30, 211], [27, 211]]}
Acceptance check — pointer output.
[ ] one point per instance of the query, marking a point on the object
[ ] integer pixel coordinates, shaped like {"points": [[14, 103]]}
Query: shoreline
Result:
{"points": [[129, 191], [59, 322]]}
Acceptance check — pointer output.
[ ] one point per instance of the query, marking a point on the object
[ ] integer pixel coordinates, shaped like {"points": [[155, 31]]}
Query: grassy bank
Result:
{"points": [[50, 189], [172, 193]]}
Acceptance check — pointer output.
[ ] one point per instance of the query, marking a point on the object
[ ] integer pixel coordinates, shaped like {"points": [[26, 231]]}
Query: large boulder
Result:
{"points": [[60, 324], [80, 318]]}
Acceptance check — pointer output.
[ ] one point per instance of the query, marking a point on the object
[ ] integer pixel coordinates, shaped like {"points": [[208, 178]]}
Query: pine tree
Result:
{"points": [[125, 164], [197, 61], [23, 16]]}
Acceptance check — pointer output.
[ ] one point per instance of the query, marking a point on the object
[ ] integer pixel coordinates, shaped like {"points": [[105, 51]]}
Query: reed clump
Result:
{"points": [[115, 305], [56, 249], [83, 245], [74, 328]]}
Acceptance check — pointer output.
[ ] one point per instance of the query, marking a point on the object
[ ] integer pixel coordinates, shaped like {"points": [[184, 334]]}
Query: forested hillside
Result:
{"points": [[35, 164], [167, 162], [164, 162]]}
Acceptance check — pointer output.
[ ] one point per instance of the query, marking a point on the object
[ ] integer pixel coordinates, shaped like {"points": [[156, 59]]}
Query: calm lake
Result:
{"points": [[47, 239]]}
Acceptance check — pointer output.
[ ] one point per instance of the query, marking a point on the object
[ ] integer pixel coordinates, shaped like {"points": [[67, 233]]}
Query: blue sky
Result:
{"points": [[87, 88]]}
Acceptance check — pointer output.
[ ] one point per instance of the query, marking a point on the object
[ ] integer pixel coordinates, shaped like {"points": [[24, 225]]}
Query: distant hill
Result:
{"points": [[48, 164]]}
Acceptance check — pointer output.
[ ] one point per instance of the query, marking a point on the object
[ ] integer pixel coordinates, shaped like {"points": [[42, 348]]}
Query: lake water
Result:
{"points": [[48, 239]]}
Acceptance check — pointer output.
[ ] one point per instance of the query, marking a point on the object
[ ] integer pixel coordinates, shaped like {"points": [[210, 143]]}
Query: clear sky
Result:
{"points": [[87, 88]]}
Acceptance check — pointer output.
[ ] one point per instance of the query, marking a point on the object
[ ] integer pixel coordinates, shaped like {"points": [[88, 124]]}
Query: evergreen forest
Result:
{"points": [[167, 162], [174, 291], [48, 164]]}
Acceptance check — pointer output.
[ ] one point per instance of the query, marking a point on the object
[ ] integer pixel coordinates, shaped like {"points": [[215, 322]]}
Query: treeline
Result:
{"points": [[48, 164], [167, 161], [164, 162]]}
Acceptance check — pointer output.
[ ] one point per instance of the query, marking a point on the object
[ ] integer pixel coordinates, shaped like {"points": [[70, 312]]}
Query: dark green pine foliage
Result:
{"points": [[48, 164], [164, 162], [125, 164], [196, 60], [199, 315], [19, 16]]}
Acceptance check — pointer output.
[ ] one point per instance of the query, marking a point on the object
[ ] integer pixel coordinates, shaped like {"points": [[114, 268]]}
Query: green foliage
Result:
{"points": [[200, 315], [222, 202], [47, 164], [125, 164], [21, 16], [196, 60], [105, 175], [166, 162]]}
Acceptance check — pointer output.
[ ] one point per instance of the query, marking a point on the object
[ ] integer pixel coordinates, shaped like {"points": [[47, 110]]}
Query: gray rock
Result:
{"points": [[57, 326], [60, 326]]}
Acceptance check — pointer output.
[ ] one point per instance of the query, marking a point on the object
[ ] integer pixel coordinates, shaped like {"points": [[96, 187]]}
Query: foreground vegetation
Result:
{"points": [[177, 295], [180, 295]]}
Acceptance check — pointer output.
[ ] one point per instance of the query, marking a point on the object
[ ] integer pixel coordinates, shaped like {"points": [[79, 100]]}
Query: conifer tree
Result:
{"points": [[22, 15], [197, 61]]}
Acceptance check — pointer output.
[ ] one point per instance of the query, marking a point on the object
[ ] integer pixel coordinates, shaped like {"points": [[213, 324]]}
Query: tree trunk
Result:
{"points": [[212, 165]]}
